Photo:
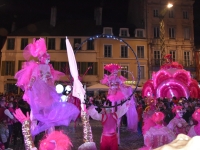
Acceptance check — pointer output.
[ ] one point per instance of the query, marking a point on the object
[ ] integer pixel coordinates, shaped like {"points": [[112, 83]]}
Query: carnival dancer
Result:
{"points": [[79, 92], [178, 124], [37, 80], [109, 139], [157, 135], [119, 91], [195, 129], [147, 114], [53, 141], [114, 82], [77, 103], [150, 108]]}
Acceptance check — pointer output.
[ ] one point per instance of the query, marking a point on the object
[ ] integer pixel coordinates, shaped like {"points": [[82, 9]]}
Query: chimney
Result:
{"points": [[53, 16], [98, 15]]}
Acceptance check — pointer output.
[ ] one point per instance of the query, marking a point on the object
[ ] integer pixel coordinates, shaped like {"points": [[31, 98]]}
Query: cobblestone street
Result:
{"points": [[128, 140]]}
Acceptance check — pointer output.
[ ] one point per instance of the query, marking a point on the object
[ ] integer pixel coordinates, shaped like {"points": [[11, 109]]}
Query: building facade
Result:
{"points": [[178, 31], [91, 57]]}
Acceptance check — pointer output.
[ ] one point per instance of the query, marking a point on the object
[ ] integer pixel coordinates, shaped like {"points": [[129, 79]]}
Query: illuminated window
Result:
{"points": [[90, 44], [107, 30], [186, 33], [171, 14], [8, 68], [142, 76], [140, 51], [171, 33], [187, 59], [10, 44], [77, 42], [156, 31], [62, 44], [24, 43], [51, 43], [185, 15], [124, 32], [155, 12], [107, 50], [173, 53], [124, 72], [124, 51]]}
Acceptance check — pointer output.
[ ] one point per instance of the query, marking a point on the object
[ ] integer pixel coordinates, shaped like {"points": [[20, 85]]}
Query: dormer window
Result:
{"points": [[107, 30], [124, 32], [139, 33]]}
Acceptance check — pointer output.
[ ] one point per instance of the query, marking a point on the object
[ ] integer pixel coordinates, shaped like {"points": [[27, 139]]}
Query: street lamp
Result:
{"points": [[162, 31]]}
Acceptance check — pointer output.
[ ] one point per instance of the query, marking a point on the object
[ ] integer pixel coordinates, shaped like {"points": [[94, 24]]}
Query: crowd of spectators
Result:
{"points": [[10, 128], [164, 105]]}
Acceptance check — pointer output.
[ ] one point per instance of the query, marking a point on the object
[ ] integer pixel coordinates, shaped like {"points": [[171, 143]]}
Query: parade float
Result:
{"points": [[171, 80]]}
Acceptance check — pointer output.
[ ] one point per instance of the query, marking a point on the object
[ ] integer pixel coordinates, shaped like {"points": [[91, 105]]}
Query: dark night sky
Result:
{"points": [[24, 12]]}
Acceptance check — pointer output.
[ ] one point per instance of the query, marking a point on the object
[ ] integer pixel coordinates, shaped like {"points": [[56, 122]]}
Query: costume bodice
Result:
{"points": [[110, 124], [175, 123], [148, 113], [43, 72], [156, 137], [192, 132]]}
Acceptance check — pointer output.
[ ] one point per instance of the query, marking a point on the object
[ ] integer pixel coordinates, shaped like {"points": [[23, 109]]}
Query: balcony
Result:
{"points": [[188, 65]]}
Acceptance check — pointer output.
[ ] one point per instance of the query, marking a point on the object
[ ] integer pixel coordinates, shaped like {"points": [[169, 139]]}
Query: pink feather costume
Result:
{"points": [[119, 91], [157, 135], [115, 83], [195, 129], [37, 80], [147, 114], [178, 125]]}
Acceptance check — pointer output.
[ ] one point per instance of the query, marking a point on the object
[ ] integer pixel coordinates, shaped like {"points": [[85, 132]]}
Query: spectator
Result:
{"points": [[4, 134], [175, 101], [4, 116], [140, 120], [10, 122], [178, 125]]}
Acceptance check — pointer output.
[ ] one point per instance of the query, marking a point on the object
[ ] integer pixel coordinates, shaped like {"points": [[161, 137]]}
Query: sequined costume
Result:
{"points": [[116, 87], [56, 140], [156, 137], [178, 125], [158, 134], [37, 81], [195, 129], [192, 132], [147, 114], [119, 91], [109, 123]]}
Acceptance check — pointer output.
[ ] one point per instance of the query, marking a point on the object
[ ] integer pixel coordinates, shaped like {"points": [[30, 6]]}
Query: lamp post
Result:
{"points": [[162, 31]]}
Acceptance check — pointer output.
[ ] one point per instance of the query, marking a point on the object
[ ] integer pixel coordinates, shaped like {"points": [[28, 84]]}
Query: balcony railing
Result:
{"points": [[185, 63]]}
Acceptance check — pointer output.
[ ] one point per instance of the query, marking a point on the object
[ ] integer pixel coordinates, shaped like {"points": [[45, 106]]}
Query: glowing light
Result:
{"points": [[170, 5], [171, 92], [64, 98], [59, 88], [169, 82], [68, 88]]}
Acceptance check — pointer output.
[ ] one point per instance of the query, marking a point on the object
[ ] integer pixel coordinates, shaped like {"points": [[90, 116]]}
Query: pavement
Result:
{"points": [[128, 140]]}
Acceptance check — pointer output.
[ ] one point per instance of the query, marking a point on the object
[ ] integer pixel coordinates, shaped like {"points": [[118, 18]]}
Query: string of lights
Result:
{"points": [[128, 46]]}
